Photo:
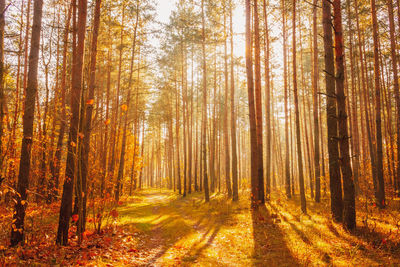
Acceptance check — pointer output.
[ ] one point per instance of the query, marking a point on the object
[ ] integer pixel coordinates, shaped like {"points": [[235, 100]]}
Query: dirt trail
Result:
{"points": [[188, 232]]}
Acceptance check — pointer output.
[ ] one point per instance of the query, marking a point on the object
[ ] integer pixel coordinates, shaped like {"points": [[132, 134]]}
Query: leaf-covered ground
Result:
{"points": [[159, 228]]}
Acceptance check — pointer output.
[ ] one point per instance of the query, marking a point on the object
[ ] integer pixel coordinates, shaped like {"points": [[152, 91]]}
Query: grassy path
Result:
{"points": [[174, 231], [189, 232]]}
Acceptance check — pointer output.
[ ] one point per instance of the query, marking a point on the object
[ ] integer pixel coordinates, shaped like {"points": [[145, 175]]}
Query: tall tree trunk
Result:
{"points": [[379, 150], [17, 230], [66, 201], [349, 205], [190, 126], [286, 97], [13, 152], [142, 157], [226, 106], [252, 111], [354, 122], [178, 160], [315, 75], [63, 115], [204, 63], [296, 106], [364, 80], [267, 104], [87, 129], [235, 189], [396, 86], [117, 120], [122, 156], [26, 47], [331, 115], [258, 99], [184, 116]]}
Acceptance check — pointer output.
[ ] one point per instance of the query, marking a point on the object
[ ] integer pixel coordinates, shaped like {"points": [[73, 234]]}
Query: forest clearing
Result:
{"points": [[158, 228], [200, 132]]}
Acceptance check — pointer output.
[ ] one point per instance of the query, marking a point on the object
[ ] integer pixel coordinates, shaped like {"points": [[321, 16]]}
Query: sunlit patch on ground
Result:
{"points": [[160, 228]]}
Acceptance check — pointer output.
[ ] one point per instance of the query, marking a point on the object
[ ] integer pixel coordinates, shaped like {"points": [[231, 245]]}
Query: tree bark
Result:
{"points": [[286, 97], [226, 119], [393, 55], [17, 230], [252, 111], [87, 130], [258, 100], [66, 201], [267, 104], [296, 107], [235, 188], [379, 150], [315, 74], [204, 65], [349, 211], [333, 150]]}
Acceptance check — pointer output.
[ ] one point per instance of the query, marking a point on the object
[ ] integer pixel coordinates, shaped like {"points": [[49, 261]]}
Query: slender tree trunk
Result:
{"points": [[26, 48], [364, 80], [17, 230], [396, 86], [333, 151], [118, 185], [267, 104], [63, 115], [235, 189], [296, 106], [66, 202], [178, 160], [286, 97], [87, 130], [354, 122], [258, 100], [379, 150], [117, 120], [204, 63], [226, 106], [142, 156], [190, 128], [349, 205], [106, 122], [315, 75], [252, 111], [184, 116]]}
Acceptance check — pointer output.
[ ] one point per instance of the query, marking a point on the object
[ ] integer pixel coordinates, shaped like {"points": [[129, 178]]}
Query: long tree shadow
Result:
{"points": [[164, 222], [158, 224], [368, 244], [210, 229], [270, 248]]}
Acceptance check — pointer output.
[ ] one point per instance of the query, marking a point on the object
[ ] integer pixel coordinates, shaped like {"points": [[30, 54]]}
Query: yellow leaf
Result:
{"points": [[90, 102], [124, 107], [73, 144], [107, 122], [23, 202]]}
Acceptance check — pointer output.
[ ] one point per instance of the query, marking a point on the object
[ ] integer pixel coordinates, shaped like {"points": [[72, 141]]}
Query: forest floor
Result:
{"points": [[159, 228]]}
